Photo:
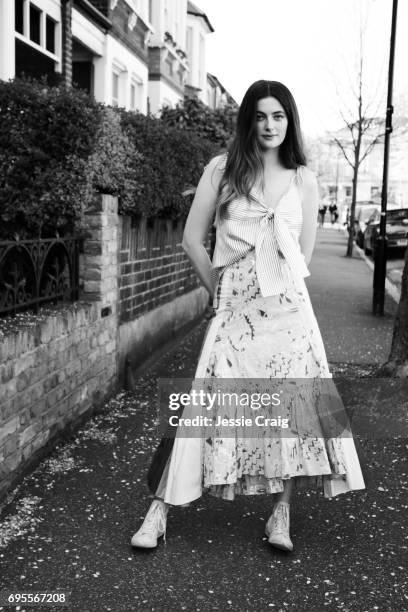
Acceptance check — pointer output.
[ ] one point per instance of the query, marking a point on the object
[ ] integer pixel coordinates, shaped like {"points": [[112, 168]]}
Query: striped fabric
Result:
{"points": [[274, 233]]}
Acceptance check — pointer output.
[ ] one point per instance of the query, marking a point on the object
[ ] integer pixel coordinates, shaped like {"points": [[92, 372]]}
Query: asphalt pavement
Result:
{"points": [[68, 525]]}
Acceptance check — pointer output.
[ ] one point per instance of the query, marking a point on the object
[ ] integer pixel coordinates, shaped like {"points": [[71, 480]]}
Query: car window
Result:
{"points": [[375, 217], [397, 215], [366, 213]]}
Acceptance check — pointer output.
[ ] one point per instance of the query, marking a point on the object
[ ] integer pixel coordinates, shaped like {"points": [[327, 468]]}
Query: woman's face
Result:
{"points": [[271, 123]]}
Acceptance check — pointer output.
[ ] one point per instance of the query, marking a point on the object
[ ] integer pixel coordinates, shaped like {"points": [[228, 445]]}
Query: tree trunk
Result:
{"points": [[397, 364], [349, 252]]}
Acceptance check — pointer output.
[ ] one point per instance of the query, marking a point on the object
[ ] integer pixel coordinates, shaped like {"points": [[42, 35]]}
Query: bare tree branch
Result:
{"points": [[371, 146], [343, 150]]}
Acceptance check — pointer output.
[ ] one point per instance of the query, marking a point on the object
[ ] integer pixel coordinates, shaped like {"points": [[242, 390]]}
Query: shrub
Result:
{"points": [[192, 115], [110, 167], [43, 133], [172, 161]]}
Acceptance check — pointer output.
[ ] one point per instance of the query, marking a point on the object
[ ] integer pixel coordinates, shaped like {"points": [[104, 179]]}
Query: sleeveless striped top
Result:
{"points": [[273, 233]]}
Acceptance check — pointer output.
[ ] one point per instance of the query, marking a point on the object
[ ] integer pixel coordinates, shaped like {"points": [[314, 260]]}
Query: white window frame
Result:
{"points": [[137, 82], [115, 99], [25, 37], [120, 71]]}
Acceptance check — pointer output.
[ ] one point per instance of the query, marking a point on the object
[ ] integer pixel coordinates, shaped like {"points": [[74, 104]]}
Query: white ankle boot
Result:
{"points": [[277, 527], [153, 527]]}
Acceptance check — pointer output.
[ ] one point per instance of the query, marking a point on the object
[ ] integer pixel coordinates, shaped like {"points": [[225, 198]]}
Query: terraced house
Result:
{"points": [[138, 54]]}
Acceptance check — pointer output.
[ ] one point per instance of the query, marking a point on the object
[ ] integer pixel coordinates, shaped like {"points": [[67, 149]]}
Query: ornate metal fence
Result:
{"points": [[36, 272]]}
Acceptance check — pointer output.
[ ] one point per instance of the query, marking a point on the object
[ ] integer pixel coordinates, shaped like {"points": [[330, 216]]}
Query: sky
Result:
{"points": [[311, 46]]}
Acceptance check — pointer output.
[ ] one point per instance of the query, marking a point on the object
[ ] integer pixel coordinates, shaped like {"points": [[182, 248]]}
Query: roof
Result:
{"points": [[192, 9], [213, 79]]}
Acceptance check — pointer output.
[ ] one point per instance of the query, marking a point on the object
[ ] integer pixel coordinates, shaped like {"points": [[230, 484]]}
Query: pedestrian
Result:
{"points": [[322, 214], [265, 201], [334, 215]]}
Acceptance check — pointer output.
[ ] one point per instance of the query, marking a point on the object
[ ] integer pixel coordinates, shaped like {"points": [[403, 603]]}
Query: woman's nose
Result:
{"points": [[269, 123]]}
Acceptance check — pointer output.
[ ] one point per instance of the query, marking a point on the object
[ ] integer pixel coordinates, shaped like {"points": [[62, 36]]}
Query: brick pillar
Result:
{"points": [[99, 268], [66, 41]]}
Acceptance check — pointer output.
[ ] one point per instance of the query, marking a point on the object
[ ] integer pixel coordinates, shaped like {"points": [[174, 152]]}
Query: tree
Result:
{"points": [[397, 364], [364, 131]]}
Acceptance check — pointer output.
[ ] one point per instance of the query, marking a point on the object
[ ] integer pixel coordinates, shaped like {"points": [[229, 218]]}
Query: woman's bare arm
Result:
{"points": [[310, 205], [198, 221]]}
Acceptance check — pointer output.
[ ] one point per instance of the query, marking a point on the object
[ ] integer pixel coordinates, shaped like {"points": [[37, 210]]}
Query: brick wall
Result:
{"points": [[154, 268], [56, 371], [51, 374], [132, 38]]}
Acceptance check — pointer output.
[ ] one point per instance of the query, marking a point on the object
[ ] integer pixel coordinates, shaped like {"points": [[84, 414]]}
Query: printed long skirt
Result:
{"points": [[254, 337]]}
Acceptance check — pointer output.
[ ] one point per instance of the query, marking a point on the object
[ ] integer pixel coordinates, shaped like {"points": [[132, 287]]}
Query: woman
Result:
{"points": [[265, 203]]}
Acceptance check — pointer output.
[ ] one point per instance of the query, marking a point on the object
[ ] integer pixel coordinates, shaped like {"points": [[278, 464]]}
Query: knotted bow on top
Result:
{"points": [[274, 237]]}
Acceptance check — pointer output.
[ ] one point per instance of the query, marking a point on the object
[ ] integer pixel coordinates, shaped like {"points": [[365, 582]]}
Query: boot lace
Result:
{"points": [[281, 519], [155, 521]]}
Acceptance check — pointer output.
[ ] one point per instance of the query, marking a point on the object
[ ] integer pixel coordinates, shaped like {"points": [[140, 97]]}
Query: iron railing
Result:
{"points": [[38, 272]]}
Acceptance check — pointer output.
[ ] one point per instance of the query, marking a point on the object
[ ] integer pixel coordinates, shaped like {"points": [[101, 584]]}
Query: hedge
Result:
{"points": [[58, 148], [172, 161], [192, 115]]}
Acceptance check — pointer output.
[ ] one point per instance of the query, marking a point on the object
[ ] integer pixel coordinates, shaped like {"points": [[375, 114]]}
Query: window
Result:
{"points": [[201, 59], [189, 45], [19, 16], [35, 24], [136, 93], [50, 35], [115, 89], [180, 73], [169, 66], [166, 17]]}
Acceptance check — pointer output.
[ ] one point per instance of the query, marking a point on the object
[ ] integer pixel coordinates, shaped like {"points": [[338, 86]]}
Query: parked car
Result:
{"points": [[362, 215], [359, 205], [396, 230]]}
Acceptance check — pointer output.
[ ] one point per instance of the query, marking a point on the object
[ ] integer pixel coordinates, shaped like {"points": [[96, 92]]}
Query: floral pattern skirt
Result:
{"points": [[254, 337]]}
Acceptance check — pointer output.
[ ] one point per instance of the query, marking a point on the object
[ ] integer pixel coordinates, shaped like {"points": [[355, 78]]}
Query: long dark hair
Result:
{"points": [[244, 162]]}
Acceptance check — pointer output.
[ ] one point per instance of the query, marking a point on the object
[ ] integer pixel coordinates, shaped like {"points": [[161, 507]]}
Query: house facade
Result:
{"points": [[217, 95], [168, 64], [101, 46], [137, 54]]}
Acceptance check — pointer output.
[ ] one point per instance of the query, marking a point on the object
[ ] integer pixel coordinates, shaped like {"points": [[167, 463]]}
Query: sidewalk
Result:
{"points": [[341, 290], [70, 523]]}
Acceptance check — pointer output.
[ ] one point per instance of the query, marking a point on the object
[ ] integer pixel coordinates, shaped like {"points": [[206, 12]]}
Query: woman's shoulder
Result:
{"points": [[218, 162], [307, 176]]}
